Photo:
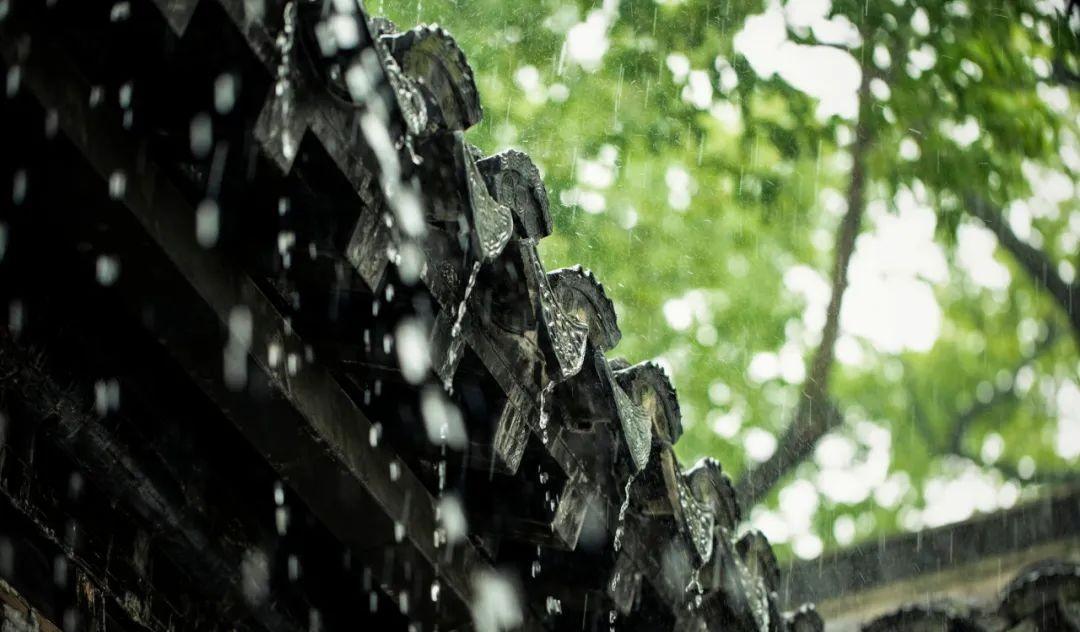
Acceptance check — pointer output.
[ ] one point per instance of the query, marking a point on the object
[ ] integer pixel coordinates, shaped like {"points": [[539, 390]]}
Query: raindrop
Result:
{"points": [[442, 419], [495, 605], [235, 352], [452, 515], [75, 485], [622, 512], [16, 317], [120, 12], [224, 93], [399, 532], [14, 80], [435, 591], [286, 239], [254, 9], [375, 434], [414, 355], [97, 95], [345, 32], [106, 396], [117, 185], [410, 263], [554, 606], [108, 270], [207, 223], [201, 135], [124, 95], [455, 331], [281, 520], [52, 123], [18, 187]]}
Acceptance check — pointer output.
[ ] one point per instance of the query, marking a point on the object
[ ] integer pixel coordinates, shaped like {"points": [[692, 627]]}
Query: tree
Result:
{"points": [[701, 179]]}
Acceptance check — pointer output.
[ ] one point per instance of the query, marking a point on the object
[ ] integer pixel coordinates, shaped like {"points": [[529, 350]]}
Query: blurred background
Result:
{"points": [[849, 231]]}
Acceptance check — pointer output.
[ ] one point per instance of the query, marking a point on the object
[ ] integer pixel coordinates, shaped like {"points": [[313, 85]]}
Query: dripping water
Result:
{"points": [[544, 413], [455, 331], [622, 512], [282, 87], [695, 586], [454, 348]]}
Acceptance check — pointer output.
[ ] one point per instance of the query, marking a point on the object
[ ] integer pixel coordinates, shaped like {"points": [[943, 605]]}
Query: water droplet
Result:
{"points": [[120, 12], [224, 93], [413, 352], [52, 123], [281, 520], [18, 187], [108, 270], [117, 185], [207, 223], [97, 95], [554, 606], [14, 80], [124, 95], [201, 135]]}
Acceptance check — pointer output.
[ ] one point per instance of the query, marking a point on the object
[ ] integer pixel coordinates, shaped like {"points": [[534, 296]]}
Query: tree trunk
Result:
{"points": [[816, 413]]}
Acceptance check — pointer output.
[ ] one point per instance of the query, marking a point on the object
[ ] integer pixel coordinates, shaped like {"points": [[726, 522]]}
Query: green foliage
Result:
{"points": [[764, 172]]}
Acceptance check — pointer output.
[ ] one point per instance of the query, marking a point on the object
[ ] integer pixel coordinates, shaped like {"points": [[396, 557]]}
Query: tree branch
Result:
{"points": [[1038, 265], [1063, 75], [816, 414], [976, 410], [1038, 478], [919, 418]]}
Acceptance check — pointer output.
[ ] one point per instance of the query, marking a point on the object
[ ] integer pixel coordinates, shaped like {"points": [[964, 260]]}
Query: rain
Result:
{"points": [[583, 315]]}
